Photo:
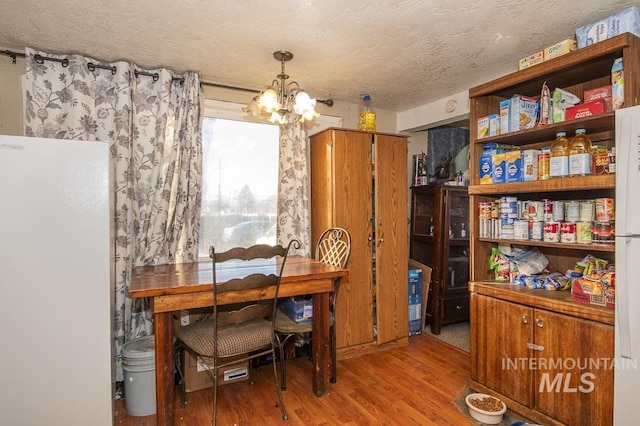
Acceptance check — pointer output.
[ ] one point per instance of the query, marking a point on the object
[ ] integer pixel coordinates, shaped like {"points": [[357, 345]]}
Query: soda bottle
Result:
{"points": [[366, 114], [559, 161], [580, 154]]}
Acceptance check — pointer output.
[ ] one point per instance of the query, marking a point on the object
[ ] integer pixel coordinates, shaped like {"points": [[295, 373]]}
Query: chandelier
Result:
{"points": [[283, 102]]}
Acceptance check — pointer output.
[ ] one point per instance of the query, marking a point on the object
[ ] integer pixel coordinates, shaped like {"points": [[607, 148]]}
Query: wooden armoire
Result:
{"points": [[359, 183]]}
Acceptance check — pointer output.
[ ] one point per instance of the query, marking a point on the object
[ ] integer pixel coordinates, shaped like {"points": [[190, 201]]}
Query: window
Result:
{"points": [[240, 177], [239, 182]]}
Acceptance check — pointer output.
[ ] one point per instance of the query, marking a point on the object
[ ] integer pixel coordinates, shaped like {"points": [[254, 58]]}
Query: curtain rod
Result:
{"points": [[65, 62]]}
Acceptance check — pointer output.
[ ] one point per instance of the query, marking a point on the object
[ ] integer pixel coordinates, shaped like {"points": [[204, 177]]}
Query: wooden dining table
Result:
{"points": [[181, 286]]}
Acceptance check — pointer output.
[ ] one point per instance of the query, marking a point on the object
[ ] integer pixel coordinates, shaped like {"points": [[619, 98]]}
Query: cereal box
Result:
{"points": [[625, 21], [561, 48], [483, 127], [513, 166], [617, 84], [523, 113], [505, 107], [486, 165], [494, 125], [530, 60], [498, 168], [530, 164]]}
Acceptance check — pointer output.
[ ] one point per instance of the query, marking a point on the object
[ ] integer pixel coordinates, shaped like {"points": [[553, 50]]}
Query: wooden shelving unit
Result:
{"points": [[541, 318]]}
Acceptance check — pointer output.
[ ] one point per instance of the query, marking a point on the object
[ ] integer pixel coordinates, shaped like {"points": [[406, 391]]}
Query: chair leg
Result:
{"points": [[278, 389], [283, 359], [334, 357], [215, 397]]}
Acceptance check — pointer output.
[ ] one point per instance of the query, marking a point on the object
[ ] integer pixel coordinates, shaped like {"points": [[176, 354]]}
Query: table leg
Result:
{"points": [[164, 368], [320, 344]]}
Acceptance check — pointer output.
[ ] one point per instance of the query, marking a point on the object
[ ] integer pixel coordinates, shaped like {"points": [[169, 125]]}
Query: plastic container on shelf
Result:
{"points": [[580, 158], [559, 156], [366, 114]]}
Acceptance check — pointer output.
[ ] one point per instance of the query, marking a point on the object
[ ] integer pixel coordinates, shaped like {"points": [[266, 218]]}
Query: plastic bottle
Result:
{"points": [[366, 114], [580, 154], [559, 161], [463, 231]]}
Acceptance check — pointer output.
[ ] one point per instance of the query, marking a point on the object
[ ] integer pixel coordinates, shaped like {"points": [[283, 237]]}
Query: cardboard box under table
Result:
{"points": [[195, 375]]}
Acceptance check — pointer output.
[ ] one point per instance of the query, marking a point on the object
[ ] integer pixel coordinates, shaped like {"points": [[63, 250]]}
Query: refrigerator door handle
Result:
{"points": [[622, 299]]}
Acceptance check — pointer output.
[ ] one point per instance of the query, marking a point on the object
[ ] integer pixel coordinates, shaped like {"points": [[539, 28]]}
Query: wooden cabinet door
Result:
{"points": [[352, 209], [500, 332], [391, 231], [573, 376]]}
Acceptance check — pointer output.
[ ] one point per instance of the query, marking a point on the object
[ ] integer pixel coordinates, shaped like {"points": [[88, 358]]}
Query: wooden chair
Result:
{"points": [[246, 333], [334, 248]]}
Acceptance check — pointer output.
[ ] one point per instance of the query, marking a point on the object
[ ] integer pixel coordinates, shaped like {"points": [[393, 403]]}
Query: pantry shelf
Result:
{"points": [[570, 184], [568, 246]]}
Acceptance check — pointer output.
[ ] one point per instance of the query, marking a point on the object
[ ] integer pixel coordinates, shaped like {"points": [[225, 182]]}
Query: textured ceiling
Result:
{"points": [[404, 53]]}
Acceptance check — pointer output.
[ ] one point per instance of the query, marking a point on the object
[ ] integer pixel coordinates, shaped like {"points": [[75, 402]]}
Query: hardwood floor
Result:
{"points": [[411, 385]]}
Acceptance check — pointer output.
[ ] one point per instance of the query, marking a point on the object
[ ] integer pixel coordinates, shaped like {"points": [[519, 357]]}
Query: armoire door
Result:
{"points": [[391, 231], [352, 210]]}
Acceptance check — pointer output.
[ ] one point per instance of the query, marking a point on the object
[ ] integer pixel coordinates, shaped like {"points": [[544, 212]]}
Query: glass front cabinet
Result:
{"points": [[440, 239]]}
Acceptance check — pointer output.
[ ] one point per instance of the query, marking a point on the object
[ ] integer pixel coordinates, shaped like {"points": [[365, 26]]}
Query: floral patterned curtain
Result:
{"points": [[152, 123], [293, 189]]}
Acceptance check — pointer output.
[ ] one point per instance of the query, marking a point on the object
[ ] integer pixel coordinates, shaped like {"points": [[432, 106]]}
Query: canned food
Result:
{"points": [[495, 228], [586, 211], [603, 232], [605, 210], [536, 211], [485, 228], [521, 230], [557, 211], [583, 232], [572, 211], [548, 210], [484, 210], [568, 232], [551, 232], [536, 231], [495, 209]]}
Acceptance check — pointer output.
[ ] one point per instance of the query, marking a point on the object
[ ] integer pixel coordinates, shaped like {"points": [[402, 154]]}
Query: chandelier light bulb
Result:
{"points": [[281, 102]]}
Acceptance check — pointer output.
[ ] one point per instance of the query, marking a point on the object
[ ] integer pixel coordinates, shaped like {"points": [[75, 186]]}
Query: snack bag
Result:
{"points": [[499, 264]]}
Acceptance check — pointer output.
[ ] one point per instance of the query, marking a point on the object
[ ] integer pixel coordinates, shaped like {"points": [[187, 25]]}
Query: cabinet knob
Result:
{"points": [[525, 319], [539, 322]]}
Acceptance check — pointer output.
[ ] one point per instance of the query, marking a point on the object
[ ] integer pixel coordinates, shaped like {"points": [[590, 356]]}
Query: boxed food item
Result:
{"points": [[499, 162], [513, 166], [561, 48], [617, 84], [505, 107], [602, 92], [561, 100], [585, 110], [483, 127], [530, 164], [494, 125], [530, 60], [593, 292], [486, 166], [523, 113], [627, 20]]}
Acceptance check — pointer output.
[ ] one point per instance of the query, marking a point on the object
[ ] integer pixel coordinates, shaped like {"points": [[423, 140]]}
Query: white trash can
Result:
{"points": [[139, 367]]}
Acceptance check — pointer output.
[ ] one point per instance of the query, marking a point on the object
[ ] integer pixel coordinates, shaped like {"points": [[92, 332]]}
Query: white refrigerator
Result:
{"points": [[627, 236], [56, 286]]}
